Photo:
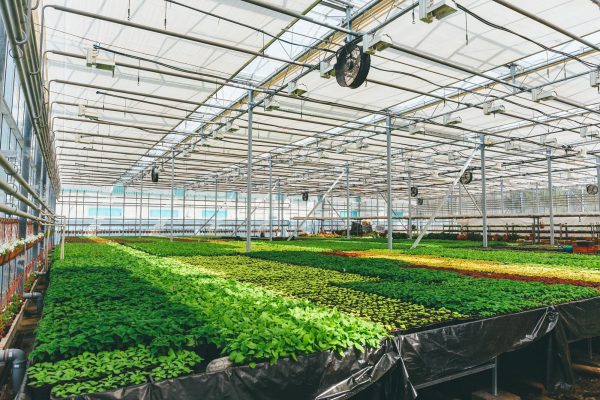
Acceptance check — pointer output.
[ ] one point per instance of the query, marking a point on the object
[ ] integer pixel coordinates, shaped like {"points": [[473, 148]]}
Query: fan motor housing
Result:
{"points": [[591, 189], [466, 178], [305, 196], [352, 65], [154, 174], [414, 191]]}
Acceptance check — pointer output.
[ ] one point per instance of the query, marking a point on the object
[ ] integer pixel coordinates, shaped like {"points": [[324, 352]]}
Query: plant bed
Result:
{"points": [[138, 299]]}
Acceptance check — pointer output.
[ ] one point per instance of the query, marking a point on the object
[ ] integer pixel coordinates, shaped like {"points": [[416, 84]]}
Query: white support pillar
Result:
{"points": [[270, 198], [141, 201], [502, 195], [172, 193], [249, 175], [347, 169], [550, 200], [235, 227], [483, 193], [598, 179], [388, 128], [409, 225], [216, 203]]}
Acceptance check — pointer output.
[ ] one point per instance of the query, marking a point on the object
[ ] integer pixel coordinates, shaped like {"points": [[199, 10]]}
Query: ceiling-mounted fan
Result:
{"points": [[352, 65]]}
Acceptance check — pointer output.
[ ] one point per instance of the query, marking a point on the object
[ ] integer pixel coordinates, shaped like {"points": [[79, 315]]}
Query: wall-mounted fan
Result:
{"points": [[466, 178], [154, 174], [305, 196], [414, 191], [352, 65], [591, 189], [420, 201]]}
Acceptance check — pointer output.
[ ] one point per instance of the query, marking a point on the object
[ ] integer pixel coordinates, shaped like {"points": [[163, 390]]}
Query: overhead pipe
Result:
{"points": [[13, 211], [548, 24], [29, 88], [196, 103], [164, 32], [10, 170], [303, 17]]}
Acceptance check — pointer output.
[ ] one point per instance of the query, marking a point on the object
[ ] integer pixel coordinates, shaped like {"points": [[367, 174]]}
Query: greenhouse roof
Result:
{"points": [[184, 70]]}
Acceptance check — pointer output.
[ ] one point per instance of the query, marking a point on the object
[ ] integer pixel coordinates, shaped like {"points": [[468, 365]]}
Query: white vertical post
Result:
{"points": [[598, 179], [235, 226], [172, 192], [460, 199], [388, 127], [483, 194], [550, 201], [249, 175], [216, 195], [141, 202], [502, 195], [409, 203], [270, 198], [347, 201]]}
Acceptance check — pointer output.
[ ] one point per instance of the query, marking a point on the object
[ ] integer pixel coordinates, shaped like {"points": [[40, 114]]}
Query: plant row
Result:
{"points": [[95, 372], [107, 298], [475, 297], [325, 288], [575, 275]]}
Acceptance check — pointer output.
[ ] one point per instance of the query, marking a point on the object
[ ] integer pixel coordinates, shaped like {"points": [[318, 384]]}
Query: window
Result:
{"points": [[211, 213], [163, 213], [105, 212]]}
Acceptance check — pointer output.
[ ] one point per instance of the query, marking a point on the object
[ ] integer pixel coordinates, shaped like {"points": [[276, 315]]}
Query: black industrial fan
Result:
{"points": [[352, 65], [414, 191], [420, 201], [591, 189], [305, 196], [466, 178], [154, 174]]}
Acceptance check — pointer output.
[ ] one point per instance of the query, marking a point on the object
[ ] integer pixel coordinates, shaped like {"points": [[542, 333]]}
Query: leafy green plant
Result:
{"points": [[325, 288], [107, 298], [129, 366], [440, 289]]}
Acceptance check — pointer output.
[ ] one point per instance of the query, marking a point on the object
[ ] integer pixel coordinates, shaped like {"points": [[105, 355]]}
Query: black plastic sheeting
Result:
{"points": [[390, 371]]}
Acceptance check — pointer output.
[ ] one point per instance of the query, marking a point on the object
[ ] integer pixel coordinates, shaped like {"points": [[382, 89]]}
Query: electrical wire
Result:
{"points": [[251, 27], [505, 29]]}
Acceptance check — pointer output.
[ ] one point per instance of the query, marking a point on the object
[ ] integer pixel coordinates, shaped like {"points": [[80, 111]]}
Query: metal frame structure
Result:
{"points": [[162, 105]]}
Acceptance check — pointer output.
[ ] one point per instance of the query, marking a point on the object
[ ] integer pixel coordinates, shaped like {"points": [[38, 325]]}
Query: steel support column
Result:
{"points": [[141, 202], [216, 205], [172, 192], [270, 198], [502, 196], [483, 192], [550, 200], [388, 126], [249, 175], [598, 179], [409, 225], [347, 169]]}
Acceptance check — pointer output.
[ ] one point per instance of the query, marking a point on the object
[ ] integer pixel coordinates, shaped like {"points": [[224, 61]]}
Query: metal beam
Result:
{"points": [[483, 192], [172, 191], [443, 199], [249, 174], [317, 204], [388, 129], [550, 200]]}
